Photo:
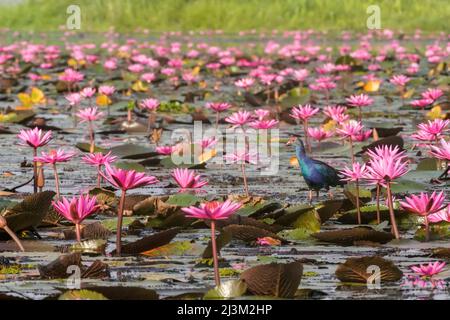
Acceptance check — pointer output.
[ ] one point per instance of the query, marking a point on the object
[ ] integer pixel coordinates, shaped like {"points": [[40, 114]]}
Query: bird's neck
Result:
{"points": [[300, 153]]}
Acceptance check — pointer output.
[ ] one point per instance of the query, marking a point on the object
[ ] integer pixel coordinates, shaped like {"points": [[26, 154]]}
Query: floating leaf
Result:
{"points": [[292, 213], [132, 151], [177, 248], [81, 295], [228, 289], [130, 166], [90, 246], [221, 241], [85, 147], [97, 270], [149, 243], [183, 200], [125, 292], [359, 270], [296, 234], [58, 268], [30, 212], [169, 164], [438, 231], [274, 279], [111, 224], [365, 195], [428, 164], [348, 236], [328, 208], [407, 186], [249, 233]]}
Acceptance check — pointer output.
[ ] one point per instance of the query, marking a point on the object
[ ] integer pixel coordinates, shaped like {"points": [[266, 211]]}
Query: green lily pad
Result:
{"points": [[438, 231], [183, 200], [130, 166], [81, 295], [169, 164], [132, 151], [111, 224], [428, 164], [85, 147], [407, 186]]}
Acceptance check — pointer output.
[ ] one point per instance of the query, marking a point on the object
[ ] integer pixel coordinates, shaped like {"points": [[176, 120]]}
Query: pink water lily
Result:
{"points": [[385, 165], [125, 180], [355, 174], [432, 94], [242, 158], [53, 157], [442, 215], [430, 269], [76, 210], [359, 101], [150, 105], [337, 113], [239, 118], [187, 179], [98, 160], [399, 80], [165, 150], [213, 211], [424, 205], [34, 138], [218, 107], [319, 134], [303, 113], [263, 124]]}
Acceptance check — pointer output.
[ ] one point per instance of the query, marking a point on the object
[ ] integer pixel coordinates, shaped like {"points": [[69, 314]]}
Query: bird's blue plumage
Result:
{"points": [[317, 174]]}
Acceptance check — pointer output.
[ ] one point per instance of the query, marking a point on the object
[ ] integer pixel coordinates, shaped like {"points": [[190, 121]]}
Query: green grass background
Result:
{"points": [[228, 15]]}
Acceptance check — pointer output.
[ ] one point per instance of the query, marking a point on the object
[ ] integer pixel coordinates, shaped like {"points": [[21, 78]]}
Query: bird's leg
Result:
{"points": [[310, 196], [317, 194]]}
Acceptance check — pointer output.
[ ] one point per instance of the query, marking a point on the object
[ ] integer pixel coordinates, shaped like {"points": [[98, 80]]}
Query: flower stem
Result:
{"points": [[99, 176], [378, 203], [129, 115], [34, 171], [91, 138], [427, 229], [56, 181], [351, 150], [119, 224], [245, 178], [305, 128], [391, 211], [78, 231], [357, 202], [214, 252], [14, 237], [217, 120], [359, 114]]}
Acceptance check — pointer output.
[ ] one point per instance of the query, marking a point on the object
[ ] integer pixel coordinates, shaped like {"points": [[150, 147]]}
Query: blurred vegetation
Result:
{"points": [[227, 15]]}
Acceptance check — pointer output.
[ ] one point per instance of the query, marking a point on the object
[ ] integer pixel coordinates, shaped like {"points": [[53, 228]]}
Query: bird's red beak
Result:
{"points": [[291, 140]]}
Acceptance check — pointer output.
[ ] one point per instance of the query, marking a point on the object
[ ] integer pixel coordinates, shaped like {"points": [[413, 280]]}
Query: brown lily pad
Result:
{"points": [[124, 292], [57, 269], [150, 242], [274, 279], [30, 212], [221, 241], [357, 270], [97, 270], [347, 237], [250, 233], [91, 231]]}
